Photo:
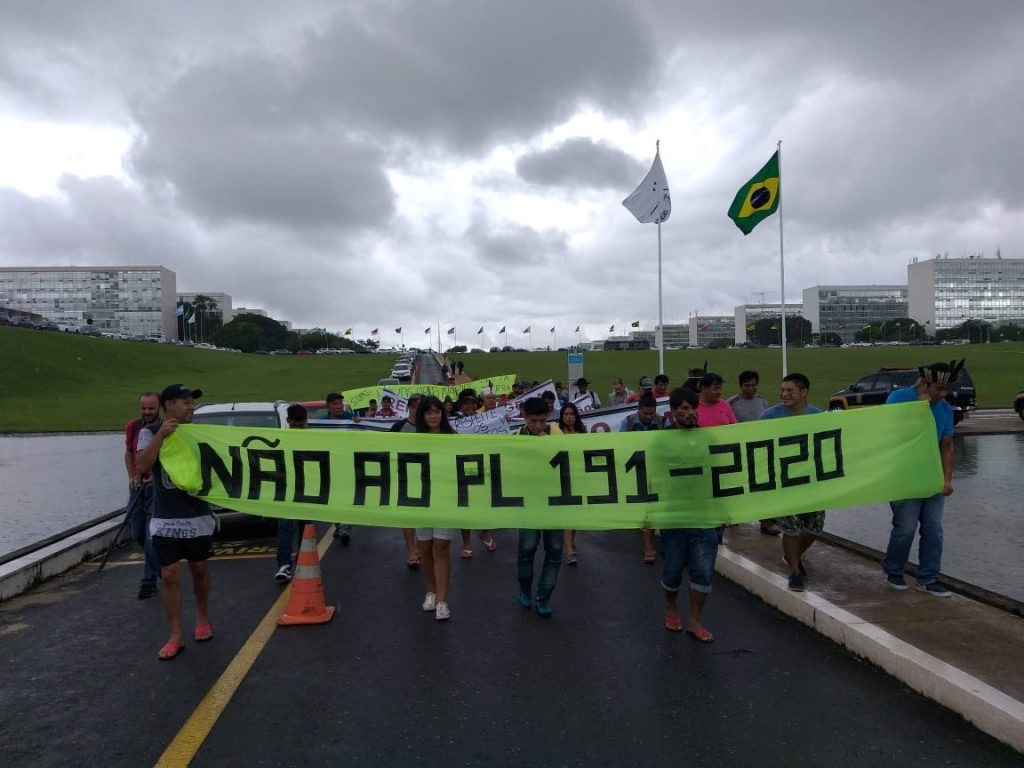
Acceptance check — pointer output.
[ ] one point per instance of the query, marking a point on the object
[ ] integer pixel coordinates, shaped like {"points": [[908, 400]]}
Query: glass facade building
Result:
{"points": [[747, 314], [845, 309], [947, 292], [705, 329], [135, 301], [676, 336]]}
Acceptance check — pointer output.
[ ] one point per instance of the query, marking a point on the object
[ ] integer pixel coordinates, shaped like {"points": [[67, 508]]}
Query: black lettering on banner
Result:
{"points": [[363, 460], [497, 499], [718, 472], [836, 438], [768, 446], [566, 498], [404, 460], [276, 474], [463, 466], [638, 463], [209, 460], [607, 467], [685, 471], [322, 458], [786, 462]]}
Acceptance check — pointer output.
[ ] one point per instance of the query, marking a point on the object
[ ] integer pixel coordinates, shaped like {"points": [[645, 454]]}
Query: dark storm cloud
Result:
{"points": [[580, 163], [462, 73]]}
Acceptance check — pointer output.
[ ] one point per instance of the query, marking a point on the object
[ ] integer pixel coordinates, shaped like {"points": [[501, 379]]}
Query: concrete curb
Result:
{"points": [[17, 576], [990, 710]]}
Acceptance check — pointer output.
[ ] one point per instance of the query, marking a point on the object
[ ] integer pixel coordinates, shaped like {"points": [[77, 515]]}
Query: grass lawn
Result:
{"points": [[65, 382]]}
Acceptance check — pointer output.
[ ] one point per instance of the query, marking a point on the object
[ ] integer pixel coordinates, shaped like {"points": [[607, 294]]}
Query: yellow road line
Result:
{"points": [[193, 733]]}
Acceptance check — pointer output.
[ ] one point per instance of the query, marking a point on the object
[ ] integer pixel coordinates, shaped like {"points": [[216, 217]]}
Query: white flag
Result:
{"points": [[650, 202]]}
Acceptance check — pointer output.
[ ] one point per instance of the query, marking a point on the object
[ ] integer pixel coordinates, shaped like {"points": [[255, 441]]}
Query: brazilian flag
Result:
{"points": [[758, 198]]}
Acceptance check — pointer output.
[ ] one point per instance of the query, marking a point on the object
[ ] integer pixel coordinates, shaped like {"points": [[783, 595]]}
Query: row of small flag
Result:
{"points": [[451, 331]]}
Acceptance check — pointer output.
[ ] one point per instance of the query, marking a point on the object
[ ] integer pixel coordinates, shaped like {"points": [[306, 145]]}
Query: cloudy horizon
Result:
{"points": [[387, 163]]}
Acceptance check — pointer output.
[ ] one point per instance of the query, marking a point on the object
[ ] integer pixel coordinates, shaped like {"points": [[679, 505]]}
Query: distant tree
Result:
{"points": [[718, 343], [1008, 332], [767, 330], [830, 339], [250, 333]]}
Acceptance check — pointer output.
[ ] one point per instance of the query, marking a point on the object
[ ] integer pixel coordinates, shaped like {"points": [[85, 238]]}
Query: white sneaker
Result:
{"points": [[443, 613], [284, 573], [430, 601]]}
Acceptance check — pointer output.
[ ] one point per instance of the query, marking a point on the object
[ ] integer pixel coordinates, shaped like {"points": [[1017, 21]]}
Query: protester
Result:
{"points": [[549, 399], [747, 404], [660, 386], [408, 424], [371, 409], [619, 393], [908, 515], [570, 423], [387, 410], [469, 403], [297, 417], [537, 425], [337, 408], [435, 543], [713, 411], [449, 407], [692, 549], [563, 395], [140, 493], [798, 531], [182, 526], [645, 418], [644, 387], [585, 397]]}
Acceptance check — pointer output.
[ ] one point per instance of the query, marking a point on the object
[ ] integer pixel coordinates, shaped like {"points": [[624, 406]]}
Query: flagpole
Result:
{"points": [[531, 337], [660, 335], [782, 267], [439, 334]]}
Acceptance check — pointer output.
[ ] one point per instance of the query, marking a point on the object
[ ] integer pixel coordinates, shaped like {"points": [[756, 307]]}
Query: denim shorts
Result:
{"points": [[692, 549], [444, 534]]}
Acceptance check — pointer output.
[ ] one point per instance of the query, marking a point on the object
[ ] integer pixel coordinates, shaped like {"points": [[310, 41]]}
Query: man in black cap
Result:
{"points": [[585, 400], [182, 526]]}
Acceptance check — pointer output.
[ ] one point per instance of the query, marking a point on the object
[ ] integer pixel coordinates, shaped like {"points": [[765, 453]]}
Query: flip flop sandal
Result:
{"points": [[170, 650], [413, 563], [673, 624], [701, 635], [467, 553], [203, 633], [489, 544], [649, 558]]}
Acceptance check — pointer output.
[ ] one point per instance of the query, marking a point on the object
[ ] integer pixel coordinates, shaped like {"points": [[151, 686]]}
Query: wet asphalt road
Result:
{"points": [[599, 684]]}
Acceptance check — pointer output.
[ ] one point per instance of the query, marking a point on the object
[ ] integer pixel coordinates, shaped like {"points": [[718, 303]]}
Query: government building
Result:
{"points": [[846, 309], [945, 293], [134, 301]]}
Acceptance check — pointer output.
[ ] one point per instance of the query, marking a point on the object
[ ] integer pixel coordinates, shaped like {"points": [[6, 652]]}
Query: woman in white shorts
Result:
{"points": [[435, 543]]}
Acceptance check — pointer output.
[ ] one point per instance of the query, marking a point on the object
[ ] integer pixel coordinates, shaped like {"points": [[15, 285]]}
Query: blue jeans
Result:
{"points": [[693, 549], [907, 514], [286, 530], [140, 510], [529, 540]]}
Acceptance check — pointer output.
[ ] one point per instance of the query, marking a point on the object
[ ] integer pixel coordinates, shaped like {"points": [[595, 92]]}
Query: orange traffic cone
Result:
{"points": [[306, 604]]}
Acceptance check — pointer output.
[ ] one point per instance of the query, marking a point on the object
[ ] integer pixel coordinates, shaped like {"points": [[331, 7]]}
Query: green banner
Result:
{"points": [[676, 478], [360, 398]]}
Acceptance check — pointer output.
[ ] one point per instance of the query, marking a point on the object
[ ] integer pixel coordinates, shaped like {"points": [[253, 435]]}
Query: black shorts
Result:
{"points": [[169, 551]]}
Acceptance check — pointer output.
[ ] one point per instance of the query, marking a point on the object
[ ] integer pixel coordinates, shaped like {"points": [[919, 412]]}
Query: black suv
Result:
{"points": [[1018, 404], [874, 388]]}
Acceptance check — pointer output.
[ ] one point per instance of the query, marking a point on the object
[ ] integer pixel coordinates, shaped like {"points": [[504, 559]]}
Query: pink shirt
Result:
{"points": [[715, 415]]}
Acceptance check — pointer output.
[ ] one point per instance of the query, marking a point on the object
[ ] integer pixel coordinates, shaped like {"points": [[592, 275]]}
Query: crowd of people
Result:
{"points": [[170, 525]]}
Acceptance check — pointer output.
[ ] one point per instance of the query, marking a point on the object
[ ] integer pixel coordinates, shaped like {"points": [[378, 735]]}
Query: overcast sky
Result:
{"points": [[385, 164]]}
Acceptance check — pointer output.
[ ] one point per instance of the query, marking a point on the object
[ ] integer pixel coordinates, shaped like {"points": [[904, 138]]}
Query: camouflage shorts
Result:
{"points": [[807, 522]]}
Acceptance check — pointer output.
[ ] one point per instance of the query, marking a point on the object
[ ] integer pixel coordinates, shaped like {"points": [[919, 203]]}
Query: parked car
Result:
{"points": [[874, 388], [1018, 403]]}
